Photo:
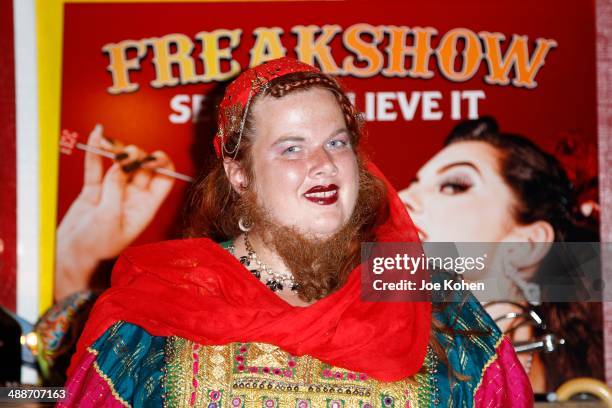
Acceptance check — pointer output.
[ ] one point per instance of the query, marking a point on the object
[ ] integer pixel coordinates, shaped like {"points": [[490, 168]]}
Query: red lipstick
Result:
{"points": [[323, 195]]}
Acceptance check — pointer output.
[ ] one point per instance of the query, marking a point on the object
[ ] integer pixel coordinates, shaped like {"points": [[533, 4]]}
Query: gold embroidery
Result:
{"points": [[261, 375], [485, 367], [109, 383], [233, 113], [261, 354]]}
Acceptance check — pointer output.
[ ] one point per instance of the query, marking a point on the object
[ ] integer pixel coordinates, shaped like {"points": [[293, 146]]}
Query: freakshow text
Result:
{"points": [[367, 51]]}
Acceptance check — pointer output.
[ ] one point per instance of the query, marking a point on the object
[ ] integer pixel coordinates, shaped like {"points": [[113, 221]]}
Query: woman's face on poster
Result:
{"points": [[305, 170], [459, 196]]}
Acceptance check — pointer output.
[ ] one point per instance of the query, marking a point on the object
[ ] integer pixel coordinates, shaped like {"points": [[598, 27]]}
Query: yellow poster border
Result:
{"points": [[49, 35], [49, 30]]}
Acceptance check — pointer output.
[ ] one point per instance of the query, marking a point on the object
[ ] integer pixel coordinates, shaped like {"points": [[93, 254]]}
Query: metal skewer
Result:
{"points": [[113, 156], [96, 150], [174, 174]]}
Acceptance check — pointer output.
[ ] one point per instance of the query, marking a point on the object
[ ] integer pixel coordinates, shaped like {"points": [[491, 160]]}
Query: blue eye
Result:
{"points": [[337, 143], [292, 149]]}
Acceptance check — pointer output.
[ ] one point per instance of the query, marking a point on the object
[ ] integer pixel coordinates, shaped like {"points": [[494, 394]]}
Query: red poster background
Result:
{"points": [[563, 101]]}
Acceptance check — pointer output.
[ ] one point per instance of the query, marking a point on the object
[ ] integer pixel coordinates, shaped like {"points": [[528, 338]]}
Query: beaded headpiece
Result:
{"points": [[234, 107]]}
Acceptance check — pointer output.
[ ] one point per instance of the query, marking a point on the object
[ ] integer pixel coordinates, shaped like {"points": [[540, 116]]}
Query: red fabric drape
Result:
{"points": [[195, 289]]}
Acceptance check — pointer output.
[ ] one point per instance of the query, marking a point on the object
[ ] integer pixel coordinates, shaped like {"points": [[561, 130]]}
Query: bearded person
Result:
{"points": [[261, 307]]}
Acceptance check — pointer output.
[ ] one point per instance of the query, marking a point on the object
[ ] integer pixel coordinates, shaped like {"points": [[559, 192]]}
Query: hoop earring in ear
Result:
{"points": [[244, 226]]}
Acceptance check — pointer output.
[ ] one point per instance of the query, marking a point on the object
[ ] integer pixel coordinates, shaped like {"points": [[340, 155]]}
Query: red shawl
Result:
{"points": [[195, 289]]}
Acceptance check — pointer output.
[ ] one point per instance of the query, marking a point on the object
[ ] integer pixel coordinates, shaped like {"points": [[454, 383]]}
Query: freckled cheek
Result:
{"points": [[284, 180], [294, 176], [349, 170]]}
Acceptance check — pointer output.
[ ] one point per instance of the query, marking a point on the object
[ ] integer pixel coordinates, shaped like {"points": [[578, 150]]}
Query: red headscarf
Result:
{"points": [[197, 290], [245, 88]]}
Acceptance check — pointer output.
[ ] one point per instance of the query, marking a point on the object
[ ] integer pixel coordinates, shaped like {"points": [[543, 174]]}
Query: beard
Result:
{"points": [[319, 265]]}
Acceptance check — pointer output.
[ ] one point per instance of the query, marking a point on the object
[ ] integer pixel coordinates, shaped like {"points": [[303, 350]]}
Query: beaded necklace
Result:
{"points": [[276, 281]]}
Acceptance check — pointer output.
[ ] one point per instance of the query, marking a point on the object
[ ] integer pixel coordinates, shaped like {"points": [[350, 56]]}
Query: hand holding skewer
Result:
{"points": [[112, 209]]}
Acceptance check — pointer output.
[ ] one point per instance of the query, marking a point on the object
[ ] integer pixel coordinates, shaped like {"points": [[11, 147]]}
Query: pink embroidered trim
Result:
{"points": [[88, 388], [196, 368], [504, 383]]}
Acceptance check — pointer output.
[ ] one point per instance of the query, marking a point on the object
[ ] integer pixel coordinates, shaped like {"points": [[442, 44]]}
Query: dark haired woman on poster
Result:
{"points": [[272, 315], [488, 186]]}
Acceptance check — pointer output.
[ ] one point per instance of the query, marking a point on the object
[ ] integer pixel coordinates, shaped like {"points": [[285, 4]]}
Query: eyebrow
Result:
{"points": [[285, 139], [341, 130], [451, 165]]}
